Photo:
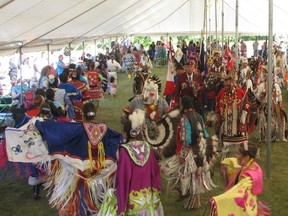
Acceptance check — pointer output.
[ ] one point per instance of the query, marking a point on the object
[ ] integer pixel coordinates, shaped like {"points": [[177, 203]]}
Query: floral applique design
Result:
{"points": [[139, 152], [143, 199], [241, 201]]}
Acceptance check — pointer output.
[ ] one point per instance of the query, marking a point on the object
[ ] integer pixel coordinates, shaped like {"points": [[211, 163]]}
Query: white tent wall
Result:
{"points": [[187, 19], [253, 16], [34, 22]]}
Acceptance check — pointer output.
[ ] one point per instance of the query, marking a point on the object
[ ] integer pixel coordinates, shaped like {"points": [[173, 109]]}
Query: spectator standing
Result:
{"points": [[60, 65], [255, 48], [13, 69]]}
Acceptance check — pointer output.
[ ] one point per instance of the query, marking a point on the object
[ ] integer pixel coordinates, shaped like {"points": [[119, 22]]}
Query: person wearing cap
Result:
{"points": [[244, 183], [190, 83]]}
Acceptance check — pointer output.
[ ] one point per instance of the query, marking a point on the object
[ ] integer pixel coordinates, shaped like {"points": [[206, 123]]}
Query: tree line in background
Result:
{"points": [[147, 40]]}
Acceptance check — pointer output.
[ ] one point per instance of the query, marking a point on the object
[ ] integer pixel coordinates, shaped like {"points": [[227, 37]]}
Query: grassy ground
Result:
{"points": [[16, 194]]}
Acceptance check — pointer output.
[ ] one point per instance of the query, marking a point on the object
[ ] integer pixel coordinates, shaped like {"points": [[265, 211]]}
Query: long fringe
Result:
{"points": [[263, 209], [229, 151], [193, 202], [192, 179], [72, 193]]}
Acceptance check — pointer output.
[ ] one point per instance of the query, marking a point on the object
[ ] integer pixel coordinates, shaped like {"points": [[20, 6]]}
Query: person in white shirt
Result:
{"points": [[243, 71], [112, 64], [255, 48], [248, 84], [137, 45]]}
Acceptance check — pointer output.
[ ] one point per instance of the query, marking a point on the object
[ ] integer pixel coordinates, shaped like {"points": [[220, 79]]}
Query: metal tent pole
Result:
{"points": [[216, 25], [69, 45], [210, 29], [206, 26], [269, 96], [48, 54], [95, 47], [222, 33], [236, 37], [21, 85]]}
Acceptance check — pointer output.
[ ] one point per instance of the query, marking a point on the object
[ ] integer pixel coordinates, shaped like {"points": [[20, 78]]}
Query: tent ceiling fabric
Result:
{"points": [[42, 22]]}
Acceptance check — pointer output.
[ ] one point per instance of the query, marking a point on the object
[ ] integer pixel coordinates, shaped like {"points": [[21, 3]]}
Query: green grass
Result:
{"points": [[16, 195]]}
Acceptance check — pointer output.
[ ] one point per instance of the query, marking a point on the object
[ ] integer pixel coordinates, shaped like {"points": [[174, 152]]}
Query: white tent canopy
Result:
{"points": [[36, 23]]}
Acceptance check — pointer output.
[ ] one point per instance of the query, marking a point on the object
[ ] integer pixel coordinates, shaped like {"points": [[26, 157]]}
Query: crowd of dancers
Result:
{"points": [[89, 169]]}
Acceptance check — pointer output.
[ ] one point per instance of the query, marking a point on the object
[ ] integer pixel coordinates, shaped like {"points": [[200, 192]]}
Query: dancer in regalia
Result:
{"points": [[232, 112], [85, 162], [138, 183], [244, 182], [189, 169]]}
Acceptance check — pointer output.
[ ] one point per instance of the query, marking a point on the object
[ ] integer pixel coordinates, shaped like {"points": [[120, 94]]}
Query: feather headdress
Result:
{"points": [[137, 118]]}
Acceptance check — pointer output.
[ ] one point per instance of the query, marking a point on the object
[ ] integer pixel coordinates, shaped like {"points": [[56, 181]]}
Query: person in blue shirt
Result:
{"points": [[73, 93], [60, 65], [16, 89]]}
